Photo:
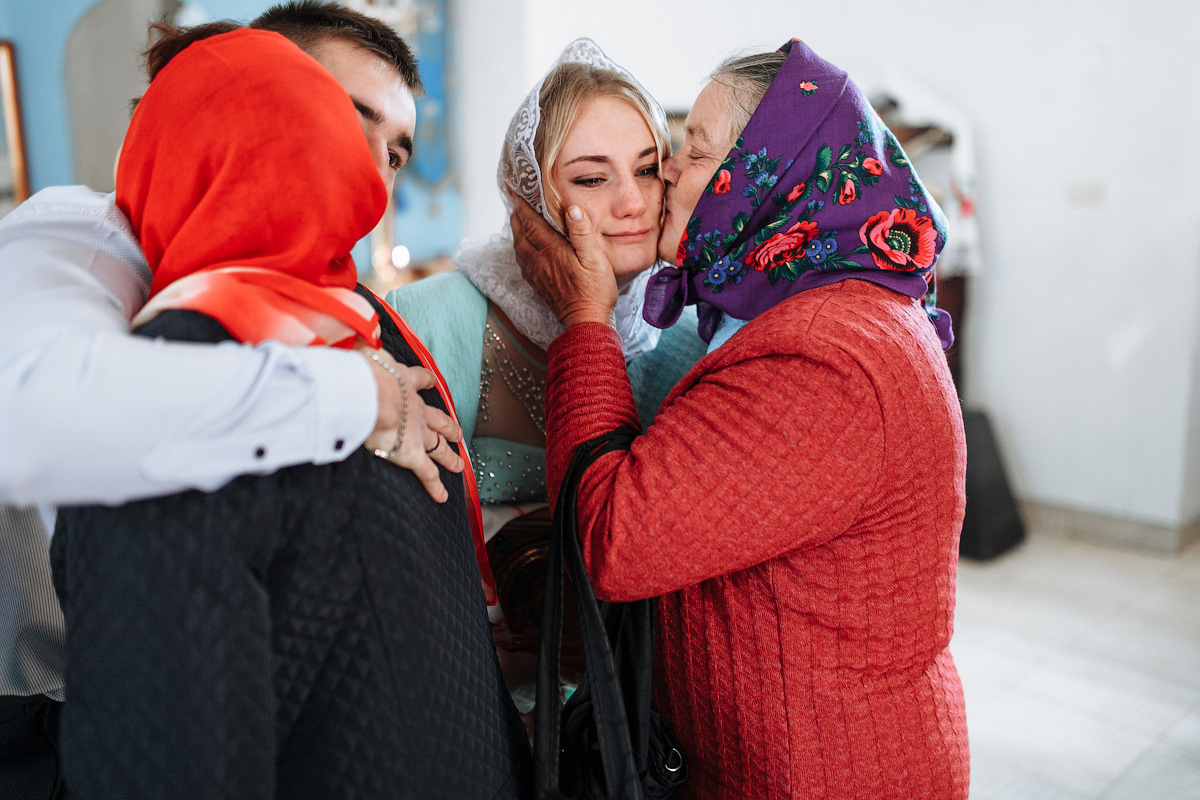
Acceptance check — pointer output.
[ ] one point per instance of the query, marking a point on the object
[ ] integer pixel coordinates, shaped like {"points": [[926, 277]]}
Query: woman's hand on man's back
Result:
{"points": [[427, 431]]}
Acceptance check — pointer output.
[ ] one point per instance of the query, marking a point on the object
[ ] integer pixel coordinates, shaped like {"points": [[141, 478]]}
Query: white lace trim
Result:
{"points": [[491, 265]]}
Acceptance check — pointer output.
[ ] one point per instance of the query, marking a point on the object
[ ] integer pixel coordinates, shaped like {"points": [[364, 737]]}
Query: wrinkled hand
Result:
{"points": [[427, 431], [574, 278]]}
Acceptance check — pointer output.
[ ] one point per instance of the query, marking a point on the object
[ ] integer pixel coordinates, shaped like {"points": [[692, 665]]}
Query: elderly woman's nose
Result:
{"points": [[670, 170]]}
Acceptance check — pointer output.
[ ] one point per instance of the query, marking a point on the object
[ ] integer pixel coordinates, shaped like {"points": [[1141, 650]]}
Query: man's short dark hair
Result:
{"points": [[308, 23]]}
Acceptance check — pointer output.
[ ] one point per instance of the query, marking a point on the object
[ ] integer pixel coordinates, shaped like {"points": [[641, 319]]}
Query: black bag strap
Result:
{"points": [[612, 728]]}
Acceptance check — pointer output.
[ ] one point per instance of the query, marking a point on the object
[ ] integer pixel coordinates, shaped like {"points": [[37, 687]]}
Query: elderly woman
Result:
{"points": [[797, 501]]}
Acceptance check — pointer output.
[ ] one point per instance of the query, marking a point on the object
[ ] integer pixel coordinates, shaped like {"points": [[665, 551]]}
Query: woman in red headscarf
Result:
{"points": [[319, 631]]}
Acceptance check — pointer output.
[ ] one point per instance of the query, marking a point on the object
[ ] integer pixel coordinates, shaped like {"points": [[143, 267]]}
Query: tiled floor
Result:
{"points": [[1081, 667]]}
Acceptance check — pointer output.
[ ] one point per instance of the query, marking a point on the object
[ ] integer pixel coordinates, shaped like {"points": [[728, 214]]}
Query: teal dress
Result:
{"points": [[449, 314]]}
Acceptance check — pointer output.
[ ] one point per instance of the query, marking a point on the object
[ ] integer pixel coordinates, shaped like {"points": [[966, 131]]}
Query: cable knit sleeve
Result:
{"points": [[757, 453]]}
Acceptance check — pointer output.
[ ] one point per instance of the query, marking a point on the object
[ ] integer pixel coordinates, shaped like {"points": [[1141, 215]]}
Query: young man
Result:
{"points": [[82, 421]]}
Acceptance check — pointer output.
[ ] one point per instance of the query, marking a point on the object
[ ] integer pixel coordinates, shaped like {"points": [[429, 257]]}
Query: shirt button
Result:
{"points": [[260, 452], [339, 444]]}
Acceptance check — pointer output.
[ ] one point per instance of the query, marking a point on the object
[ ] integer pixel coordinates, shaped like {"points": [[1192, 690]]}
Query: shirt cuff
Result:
{"points": [[347, 401]]}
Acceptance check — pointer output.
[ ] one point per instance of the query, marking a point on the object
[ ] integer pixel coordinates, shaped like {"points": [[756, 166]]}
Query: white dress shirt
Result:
{"points": [[91, 414]]}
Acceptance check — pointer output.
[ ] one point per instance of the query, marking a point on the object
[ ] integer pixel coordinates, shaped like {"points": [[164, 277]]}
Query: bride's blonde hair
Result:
{"points": [[564, 91]]}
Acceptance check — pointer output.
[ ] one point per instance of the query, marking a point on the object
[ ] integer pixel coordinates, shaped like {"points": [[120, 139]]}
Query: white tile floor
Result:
{"points": [[1081, 667]]}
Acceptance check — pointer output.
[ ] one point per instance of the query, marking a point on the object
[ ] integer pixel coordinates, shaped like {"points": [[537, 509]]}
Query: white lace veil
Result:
{"points": [[491, 264]]}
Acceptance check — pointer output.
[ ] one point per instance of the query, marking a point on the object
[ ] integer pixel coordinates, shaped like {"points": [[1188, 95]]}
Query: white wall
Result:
{"points": [[1083, 337], [103, 72], [490, 77], [1190, 505]]}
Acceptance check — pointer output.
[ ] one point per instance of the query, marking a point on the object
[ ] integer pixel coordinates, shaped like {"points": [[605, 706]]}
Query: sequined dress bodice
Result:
{"points": [[507, 471]]}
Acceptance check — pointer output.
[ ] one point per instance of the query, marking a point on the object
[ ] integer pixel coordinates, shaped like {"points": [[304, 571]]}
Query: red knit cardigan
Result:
{"points": [[796, 507]]}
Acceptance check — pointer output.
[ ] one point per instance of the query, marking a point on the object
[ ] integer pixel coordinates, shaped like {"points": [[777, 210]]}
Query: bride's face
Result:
{"points": [[608, 166]]}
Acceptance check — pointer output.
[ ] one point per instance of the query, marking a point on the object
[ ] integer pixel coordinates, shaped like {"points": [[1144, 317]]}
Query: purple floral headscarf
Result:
{"points": [[816, 190]]}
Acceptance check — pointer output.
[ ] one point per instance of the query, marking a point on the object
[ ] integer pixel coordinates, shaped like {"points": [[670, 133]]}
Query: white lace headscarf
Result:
{"points": [[491, 263]]}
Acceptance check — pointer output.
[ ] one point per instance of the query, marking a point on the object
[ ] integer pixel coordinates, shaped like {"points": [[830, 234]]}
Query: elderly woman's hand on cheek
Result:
{"points": [[574, 278]]}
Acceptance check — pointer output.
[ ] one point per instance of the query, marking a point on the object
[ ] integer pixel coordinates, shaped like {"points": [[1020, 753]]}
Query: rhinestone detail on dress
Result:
{"points": [[526, 386]]}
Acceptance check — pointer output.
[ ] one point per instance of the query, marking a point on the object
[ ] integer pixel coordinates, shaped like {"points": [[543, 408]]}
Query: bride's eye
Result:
{"points": [[648, 171], [589, 182]]}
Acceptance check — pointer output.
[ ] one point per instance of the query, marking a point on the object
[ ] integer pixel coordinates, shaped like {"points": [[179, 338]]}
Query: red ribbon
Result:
{"points": [[473, 510]]}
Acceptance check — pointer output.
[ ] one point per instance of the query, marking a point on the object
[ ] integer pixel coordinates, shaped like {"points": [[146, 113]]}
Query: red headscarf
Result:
{"points": [[247, 179]]}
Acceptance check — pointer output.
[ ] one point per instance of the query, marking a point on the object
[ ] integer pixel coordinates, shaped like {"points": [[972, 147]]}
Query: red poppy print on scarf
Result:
{"points": [[795, 193], [721, 185], [783, 247], [900, 240], [873, 166], [848, 193]]}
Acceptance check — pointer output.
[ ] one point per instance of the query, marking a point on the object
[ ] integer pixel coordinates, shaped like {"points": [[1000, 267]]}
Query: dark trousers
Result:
{"points": [[29, 767]]}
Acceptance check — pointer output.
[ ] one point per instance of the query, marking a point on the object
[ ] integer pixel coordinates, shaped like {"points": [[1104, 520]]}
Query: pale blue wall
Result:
{"points": [[39, 32]]}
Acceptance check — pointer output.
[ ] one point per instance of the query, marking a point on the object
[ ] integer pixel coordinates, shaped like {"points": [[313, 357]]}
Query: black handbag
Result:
{"points": [[992, 524], [606, 742]]}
